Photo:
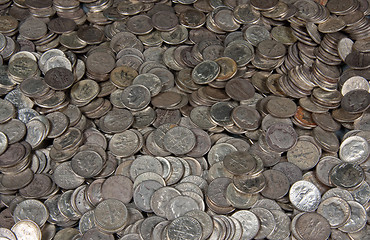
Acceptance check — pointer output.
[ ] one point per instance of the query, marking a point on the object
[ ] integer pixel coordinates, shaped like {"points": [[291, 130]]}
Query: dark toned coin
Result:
{"points": [[347, 175], [239, 89], [59, 78], [264, 5], [281, 137], [61, 25], [356, 101], [38, 4], [90, 35], [164, 20]]}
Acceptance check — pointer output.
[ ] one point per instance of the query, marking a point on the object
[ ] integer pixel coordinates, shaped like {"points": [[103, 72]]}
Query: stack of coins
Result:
{"points": [[70, 10]]}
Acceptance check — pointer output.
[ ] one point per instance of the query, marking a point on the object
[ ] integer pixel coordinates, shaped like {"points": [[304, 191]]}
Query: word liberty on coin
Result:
{"points": [[184, 119]]}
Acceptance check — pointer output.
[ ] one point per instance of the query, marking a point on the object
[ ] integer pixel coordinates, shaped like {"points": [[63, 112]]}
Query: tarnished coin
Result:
{"points": [[108, 220], [22, 68], [84, 91], [33, 28], [241, 52], [9, 24], [239, 162], [305, 154], [271, 49], [255, 34], [179, 140], [347, 175], [250, 121], [356, 101], [284, 35], [205, 72], [228, 68], [281, 107], [239, 89], [139, 24], [277, 184], [123, 76], [246, 117], [306, 230], [249, 184], [292, 171], [136, 97], [87, 164], [59, 78], [281, 137], [192, 18], [332, 25], [164, 20], [124, 144], [143, 192], [326, 140]]}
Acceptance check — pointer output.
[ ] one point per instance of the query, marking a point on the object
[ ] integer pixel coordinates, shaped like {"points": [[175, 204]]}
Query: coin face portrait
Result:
{"points": [[132, 97]]}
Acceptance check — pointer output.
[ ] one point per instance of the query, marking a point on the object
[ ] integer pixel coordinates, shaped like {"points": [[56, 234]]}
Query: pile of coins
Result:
{"points": [[184, 119]]}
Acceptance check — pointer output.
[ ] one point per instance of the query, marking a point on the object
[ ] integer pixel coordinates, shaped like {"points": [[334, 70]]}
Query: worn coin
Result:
{"points": [[250, 223], [347, 175], [305, 230], [336, 210]]}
